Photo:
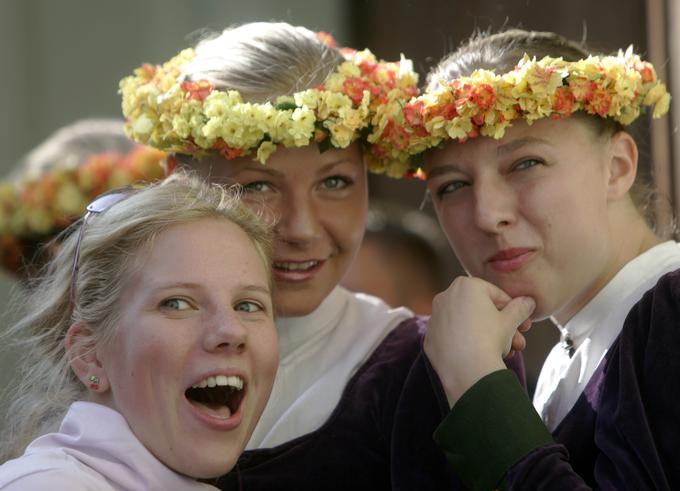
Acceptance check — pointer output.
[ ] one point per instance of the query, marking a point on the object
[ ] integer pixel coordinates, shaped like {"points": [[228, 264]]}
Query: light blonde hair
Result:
{"points": [[263, 60], [112, 244]]}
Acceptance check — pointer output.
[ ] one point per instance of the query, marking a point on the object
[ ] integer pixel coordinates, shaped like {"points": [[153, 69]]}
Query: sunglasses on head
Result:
{"points": [[100, 204]]}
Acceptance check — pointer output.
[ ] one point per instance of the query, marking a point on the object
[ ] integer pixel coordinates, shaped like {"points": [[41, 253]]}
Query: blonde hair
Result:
{"points": [[263, 60], [111, 246]]}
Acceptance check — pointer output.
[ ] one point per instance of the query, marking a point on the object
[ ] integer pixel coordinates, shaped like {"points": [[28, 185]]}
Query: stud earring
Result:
{"points": [[94, 382]]}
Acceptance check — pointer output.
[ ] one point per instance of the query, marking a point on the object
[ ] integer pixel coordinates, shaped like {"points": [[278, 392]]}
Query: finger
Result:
{"points": [[518, 310], [518, 343], [525, 326], [499, 298]]}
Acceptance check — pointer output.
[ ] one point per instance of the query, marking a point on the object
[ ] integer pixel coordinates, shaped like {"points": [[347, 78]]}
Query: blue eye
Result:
{"points": [[527, 164], [248, 306], [175, 304], [257, 187], [451, 187], [336, 182]]}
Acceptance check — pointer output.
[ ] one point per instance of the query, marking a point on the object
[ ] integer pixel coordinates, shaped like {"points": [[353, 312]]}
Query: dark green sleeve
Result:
{"points": [[489, 429]]}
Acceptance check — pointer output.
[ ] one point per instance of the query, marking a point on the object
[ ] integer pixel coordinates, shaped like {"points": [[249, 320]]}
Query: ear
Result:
{"points": [[81, 350], [623, 161]]}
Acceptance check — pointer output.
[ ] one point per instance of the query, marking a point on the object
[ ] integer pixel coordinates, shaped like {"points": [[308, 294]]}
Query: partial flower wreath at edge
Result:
{"points": [[485, 103], [196, 118], [34, 210]]}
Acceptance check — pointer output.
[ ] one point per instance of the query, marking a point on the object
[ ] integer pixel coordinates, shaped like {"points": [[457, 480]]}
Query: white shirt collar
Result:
{"points": [[319, 353], [594, 328]]}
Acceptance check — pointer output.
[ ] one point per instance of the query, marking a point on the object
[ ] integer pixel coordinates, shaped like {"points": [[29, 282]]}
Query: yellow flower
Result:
{"points": [[302, 129], [341, 135], [307, 98], [69, 200], [659, 98], [265, 150]]}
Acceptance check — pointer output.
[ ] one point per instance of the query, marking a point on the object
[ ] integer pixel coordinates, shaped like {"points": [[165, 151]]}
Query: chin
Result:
{"points": [[210, 469]]}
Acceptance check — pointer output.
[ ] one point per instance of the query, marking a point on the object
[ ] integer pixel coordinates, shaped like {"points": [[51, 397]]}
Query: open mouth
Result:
{"points": [[220, 396]]}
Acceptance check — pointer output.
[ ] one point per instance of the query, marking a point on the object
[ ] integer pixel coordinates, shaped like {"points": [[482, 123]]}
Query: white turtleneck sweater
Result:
{"points": [[319, 353], [593, 330]]}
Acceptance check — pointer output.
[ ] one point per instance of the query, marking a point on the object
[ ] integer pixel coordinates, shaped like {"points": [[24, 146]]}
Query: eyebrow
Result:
{"points": [[441, 169], [506, 148], [257, 167], [519, 143], [257, 288], [190, 285]]}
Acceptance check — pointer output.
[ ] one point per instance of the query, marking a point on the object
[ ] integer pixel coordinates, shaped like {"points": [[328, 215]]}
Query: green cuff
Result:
{"points": [[491, 428]]}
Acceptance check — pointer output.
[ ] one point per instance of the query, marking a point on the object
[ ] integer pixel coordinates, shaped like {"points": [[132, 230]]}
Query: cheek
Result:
{"points": [[266, 355], [142, 356], [346, 223], [457, 225]]}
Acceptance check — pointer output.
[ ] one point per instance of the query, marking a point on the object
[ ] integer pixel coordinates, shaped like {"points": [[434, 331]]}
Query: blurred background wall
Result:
{"points": [[62, 60]]}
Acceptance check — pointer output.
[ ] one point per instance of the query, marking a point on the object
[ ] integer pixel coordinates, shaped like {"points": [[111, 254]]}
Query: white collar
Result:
{"points": [[297, 333], [593, 330], [319, 354]]}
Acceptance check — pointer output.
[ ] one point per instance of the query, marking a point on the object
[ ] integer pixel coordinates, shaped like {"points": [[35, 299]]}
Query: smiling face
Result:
{"points": [[196, 313], [319, 201], [529, 212]]}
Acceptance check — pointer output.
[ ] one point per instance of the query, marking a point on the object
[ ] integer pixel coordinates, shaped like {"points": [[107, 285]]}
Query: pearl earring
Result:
{"points": [[94, 382]]}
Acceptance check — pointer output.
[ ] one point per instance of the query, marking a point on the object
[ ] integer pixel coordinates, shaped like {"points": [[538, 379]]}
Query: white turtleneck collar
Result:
{"points": [[593, 330], [319, 353]]}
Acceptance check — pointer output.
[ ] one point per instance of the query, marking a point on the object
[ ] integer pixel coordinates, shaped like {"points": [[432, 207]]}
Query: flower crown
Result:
{"points": [[485, 103], [36, 209], [175, 115]]}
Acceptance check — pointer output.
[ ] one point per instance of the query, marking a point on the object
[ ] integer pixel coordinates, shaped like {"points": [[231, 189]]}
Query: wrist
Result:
{"points": [[458, 381]]}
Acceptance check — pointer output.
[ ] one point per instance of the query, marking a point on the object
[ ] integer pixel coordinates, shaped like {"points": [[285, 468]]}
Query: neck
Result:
{"points": [[630, 236]]}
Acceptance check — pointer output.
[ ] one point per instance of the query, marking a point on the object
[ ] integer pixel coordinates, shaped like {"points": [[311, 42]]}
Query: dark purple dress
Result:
{"points": [[379, 437], [623, 433]]}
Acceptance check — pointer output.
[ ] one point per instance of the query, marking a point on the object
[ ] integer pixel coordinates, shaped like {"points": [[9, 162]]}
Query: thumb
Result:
{"points": [[518, 310]]}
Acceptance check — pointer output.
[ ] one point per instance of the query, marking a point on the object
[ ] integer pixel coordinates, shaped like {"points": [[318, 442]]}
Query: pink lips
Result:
{"points": [[509, 260]]}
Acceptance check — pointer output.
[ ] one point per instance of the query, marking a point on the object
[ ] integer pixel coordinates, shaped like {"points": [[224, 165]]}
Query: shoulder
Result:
{"points": [[391, 361], [367, 307], [656, 317], [405, 340]]}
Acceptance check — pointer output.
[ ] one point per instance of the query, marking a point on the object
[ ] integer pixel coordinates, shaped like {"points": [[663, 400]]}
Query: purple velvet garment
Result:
{"points": [[624, 430], [379, 437]]}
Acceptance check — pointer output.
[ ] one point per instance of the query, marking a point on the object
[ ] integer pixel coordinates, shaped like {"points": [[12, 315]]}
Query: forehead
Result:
{"points": [[204, 251], [565, 135], [283, 163]]}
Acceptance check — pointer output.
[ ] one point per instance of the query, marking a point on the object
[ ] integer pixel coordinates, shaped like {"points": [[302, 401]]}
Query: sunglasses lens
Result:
{"points": [[104, 202]]}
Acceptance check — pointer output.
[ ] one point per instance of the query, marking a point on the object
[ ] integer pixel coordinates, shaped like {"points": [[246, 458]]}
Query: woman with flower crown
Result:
{"points": [[51, 185], [284, 113], [533, 178]]}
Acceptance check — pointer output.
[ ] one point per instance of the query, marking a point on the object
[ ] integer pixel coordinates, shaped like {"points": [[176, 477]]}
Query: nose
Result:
{"points": [[225, 332], [298, 222], [495, 205]]}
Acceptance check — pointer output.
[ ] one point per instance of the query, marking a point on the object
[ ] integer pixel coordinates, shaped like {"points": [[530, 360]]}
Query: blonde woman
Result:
{"points": [[149, 347]]}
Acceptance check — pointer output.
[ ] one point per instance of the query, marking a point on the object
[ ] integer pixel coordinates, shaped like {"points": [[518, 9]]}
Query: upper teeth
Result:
{"points": [[295, 266], [231, 381]]}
